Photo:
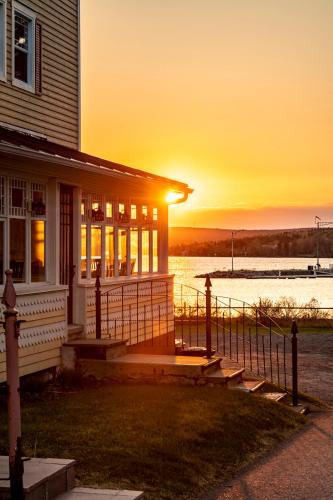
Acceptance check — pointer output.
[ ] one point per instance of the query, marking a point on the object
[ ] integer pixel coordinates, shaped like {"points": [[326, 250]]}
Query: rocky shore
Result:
{"points": [[269, 274]]}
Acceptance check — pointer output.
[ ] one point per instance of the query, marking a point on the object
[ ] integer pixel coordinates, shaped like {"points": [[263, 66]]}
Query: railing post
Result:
{"points": [[208, 285], [98, 307], [294, 331], [13, 385]]}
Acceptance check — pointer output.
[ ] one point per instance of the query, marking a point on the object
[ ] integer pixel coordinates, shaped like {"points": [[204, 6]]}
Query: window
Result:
{"points": [[96, 250], [122, 251], [1, 251], [23, 47], [2, 39], [145, 251], [121, 242], [133, 212], [155, 251], [134, 235], [83, 251], [37, 250], [17, 249], [155, 214], [23, 229], [109, 251]]}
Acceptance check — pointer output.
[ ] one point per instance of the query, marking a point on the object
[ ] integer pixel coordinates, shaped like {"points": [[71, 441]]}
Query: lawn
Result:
{"points": [[170, 441]]}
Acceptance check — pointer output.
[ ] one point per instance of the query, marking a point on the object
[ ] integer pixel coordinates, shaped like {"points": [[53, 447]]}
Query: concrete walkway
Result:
{"points": [[300, 469]]}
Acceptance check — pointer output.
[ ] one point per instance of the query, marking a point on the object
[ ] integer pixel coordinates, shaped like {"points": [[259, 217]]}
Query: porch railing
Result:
{"points": [[146, 310]]}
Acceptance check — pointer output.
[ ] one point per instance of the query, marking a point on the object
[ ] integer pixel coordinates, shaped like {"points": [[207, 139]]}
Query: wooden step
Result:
{"points": [[248, 385], [42, 478], [274, 396]]}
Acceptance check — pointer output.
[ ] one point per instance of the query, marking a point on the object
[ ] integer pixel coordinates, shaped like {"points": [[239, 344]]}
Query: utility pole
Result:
{"points": [[232, 247], [319, 223]]}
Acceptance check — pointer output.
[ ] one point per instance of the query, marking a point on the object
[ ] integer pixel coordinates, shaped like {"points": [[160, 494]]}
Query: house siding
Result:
{"points": [[41, 335], [55, 112]]}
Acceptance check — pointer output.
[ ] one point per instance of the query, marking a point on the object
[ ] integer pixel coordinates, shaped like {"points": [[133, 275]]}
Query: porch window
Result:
{"points": [[155, 251], [133, 212], [122, 242], [37, 250], [134, 235], [109, 251], [2, 39], [109, 210], [1, 251], [23, 47], [145, 251], [96, 250], [83, 251], [17, 249], [122, 251]]}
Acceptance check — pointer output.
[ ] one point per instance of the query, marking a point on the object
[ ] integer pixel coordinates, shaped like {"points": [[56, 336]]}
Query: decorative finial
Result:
{"points": [[9, 294]]}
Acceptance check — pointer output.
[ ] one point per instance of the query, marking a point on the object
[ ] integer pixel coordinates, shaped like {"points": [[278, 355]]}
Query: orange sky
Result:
{"points": [[234, 97]]}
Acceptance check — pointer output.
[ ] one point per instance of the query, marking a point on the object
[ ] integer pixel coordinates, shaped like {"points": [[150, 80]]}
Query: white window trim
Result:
{"points": [[30, 86], [3, 42]]}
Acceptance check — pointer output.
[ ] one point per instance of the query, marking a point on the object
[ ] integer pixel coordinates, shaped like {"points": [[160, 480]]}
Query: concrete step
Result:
{"points": [[147, 365], [96, 494], [101, 349], [248, 385], [224, 376], [274, 396], [43, 478]]}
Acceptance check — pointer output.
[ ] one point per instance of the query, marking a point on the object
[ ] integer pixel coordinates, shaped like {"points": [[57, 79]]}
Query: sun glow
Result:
{"points": [[173, 197]]}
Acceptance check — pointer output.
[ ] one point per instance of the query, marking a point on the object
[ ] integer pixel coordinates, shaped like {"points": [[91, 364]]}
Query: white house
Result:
{"points": [[66, 216]]}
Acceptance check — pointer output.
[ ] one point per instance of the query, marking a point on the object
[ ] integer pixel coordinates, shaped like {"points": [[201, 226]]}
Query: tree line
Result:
{"points": [[298, 243]]}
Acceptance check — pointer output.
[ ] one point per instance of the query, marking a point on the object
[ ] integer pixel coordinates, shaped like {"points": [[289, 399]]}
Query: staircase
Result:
{"points": [[48, 478]]}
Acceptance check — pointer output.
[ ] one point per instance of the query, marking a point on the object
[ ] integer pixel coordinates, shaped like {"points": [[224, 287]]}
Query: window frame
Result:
{"points": [[27, 216], [31, 16], [117, 224], [3, 40]]}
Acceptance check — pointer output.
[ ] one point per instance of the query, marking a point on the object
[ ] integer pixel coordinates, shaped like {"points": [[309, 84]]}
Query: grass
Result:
{"points": [[170, 441]]}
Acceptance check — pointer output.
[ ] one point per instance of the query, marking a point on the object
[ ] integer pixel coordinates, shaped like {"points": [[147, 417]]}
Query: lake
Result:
{"points": [[250, 290]]}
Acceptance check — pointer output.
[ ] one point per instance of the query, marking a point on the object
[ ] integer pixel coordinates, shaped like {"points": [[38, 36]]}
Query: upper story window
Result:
{"points": [[23, 47], [2, 39]]}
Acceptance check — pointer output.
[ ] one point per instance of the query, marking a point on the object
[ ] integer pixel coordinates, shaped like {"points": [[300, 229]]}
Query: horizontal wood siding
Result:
{"points": [[55, 112]]}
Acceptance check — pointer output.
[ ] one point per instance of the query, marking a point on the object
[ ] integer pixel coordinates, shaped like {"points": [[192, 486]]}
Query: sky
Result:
{"points": [[233, 97]]}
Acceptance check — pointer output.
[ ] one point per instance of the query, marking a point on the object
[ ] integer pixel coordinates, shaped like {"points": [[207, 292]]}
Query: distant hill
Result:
{"points": [[188, 235], [261, 243]]}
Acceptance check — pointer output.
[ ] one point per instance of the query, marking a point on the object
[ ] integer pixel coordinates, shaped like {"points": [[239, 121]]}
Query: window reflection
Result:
{"points": [[122, 251], [155, 250], [134, 249], [145, 251], [96, 250], [1, 252], [109, 251], [37, 250], [17, 249], [83, 251]]}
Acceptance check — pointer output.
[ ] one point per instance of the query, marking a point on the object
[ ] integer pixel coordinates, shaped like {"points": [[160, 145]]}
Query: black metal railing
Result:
{"points": [[242, 332], [139, 311], [147, 310]]}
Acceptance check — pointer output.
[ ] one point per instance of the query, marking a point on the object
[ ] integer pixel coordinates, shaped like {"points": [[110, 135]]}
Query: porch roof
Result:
{"points": [[25, 143]]}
